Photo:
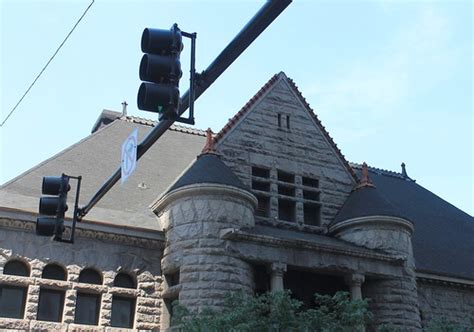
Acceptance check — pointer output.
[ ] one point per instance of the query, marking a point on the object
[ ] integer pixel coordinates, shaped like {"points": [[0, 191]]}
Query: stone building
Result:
{"points": [[267, 203]]}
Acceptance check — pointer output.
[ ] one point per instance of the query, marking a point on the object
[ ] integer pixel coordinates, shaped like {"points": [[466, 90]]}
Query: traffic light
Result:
{"points": [[53, 207], [160, 69]]}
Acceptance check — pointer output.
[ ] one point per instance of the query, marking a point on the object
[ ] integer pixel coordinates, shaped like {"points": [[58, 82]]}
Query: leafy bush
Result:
{"points": [[275, 311]]}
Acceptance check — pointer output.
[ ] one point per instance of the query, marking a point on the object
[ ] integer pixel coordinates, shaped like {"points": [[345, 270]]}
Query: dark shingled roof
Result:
{"points": [[367, 201], [208, 168], [443, 240]]}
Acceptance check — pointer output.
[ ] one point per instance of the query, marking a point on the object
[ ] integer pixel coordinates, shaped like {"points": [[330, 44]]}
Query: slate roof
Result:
{"points": [[367, 201], [208, 168], [443, 240], [97, 156]]}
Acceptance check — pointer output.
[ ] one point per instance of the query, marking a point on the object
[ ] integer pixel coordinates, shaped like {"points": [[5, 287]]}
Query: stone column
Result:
{"points": [[277, 271], [355, 281]]}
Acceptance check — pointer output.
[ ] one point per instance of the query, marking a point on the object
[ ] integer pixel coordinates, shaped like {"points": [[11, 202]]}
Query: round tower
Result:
{"points": [[368, 219], [207, 199]]}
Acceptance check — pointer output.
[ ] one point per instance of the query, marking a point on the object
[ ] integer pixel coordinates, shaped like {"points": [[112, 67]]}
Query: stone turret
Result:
{"points": [[368, 219], [198, 268]]}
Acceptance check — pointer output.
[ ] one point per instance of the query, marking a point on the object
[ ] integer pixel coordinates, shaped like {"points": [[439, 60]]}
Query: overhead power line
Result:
{"points": [[47, 63]]}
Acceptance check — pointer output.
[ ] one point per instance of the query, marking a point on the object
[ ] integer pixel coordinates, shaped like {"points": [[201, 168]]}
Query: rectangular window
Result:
{"points": [[50, 305], [288, 122], [286, 210], [286, 190], [311, 195], [261, 186], [279, 120], [260, 172], [286, 177], [87, 309], [12, 301], [312, 214], [263, 208], [123, 311], [309, 182]]}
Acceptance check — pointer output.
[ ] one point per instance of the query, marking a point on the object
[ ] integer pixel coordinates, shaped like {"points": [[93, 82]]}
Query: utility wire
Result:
{"points": [[47, 63]]}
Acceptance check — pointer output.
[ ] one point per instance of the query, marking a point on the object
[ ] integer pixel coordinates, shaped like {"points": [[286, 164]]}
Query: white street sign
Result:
{"points": [[129, 155]]}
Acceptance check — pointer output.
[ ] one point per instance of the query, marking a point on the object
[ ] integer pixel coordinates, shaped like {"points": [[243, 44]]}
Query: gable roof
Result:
{"points": [[266, 87], [443, 240]]}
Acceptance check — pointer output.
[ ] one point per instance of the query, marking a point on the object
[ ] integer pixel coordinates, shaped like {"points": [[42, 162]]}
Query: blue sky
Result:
{"points": [[390, 80]]}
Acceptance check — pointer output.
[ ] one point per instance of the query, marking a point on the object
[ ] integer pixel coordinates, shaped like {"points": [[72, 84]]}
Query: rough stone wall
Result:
{"points": [[302, 150], [450, 301], [208, 270], [393, 300], [106, 257]]}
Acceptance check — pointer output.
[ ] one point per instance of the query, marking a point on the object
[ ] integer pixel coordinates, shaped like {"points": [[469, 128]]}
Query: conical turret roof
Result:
{"points": [[208, 168]]}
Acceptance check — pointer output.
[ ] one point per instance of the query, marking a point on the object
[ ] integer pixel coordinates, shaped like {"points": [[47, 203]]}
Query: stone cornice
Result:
{"points": [[25, 221], [385, 221], [444, 280], [234, 234], [204, 189]]}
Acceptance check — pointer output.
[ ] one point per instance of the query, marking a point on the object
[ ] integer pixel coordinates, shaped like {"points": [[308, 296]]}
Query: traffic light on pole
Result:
{"points": [[53, 207], [160, 69]]}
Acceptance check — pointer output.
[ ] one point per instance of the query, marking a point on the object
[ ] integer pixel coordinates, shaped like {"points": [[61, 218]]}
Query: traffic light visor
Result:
{"points": [[164, 42], [54, 185], [45, 226]]}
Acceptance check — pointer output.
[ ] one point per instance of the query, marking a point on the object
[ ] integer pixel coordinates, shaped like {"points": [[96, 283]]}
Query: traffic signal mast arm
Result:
{"points": [[264, 17]]}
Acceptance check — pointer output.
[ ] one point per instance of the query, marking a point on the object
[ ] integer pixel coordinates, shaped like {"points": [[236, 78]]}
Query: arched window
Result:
{"points": [[13, 298], [87, 301], [51, 301], [123, 307]]}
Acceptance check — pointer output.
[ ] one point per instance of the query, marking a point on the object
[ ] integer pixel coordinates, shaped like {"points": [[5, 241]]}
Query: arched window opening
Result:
{"points": [[123, 307], [13, 298], [51, 301], [17, 268], [124, 280], [88, 302], [54, 271], [90, 276]]}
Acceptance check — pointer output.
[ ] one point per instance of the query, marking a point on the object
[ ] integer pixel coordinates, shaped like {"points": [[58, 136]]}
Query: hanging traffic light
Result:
{"points": [[53, 207], [160, 68]]}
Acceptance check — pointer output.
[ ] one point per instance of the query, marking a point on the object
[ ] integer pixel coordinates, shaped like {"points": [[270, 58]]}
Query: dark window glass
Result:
{"points": [[260, 172], [311, 195], [309, 182], [87, 309], [263, 208], [90, 276], [287, 122], [286, 210], [286, 190], [286, 177], [54, 271], [16, 268], [279, 120], [124, 280], [259, 185], [12, 301], [50, 305], [312, 214], [123, 310]]}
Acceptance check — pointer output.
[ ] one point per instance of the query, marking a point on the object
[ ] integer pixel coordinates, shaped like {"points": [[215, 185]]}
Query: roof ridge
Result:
{"points": [[174, 127], [381, 171], [323, 128]]}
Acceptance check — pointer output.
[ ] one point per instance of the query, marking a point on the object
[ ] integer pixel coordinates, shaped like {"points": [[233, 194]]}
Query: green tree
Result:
{"points": [[275, 311]]}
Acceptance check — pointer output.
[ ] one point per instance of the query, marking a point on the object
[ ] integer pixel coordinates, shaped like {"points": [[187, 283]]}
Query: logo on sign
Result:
{"points": [[129, 155]]}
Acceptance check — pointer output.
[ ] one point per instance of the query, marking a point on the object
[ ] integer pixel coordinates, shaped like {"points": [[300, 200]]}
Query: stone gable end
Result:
{"points": [[278, 132]]}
